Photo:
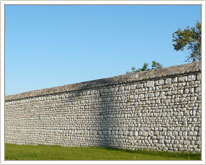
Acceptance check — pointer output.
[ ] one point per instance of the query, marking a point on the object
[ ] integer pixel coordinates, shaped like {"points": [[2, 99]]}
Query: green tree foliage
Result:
{"points": [[189, 38], [144, 68], [155, 65]]}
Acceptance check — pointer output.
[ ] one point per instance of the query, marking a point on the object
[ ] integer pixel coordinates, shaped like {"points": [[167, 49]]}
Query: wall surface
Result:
{"points": [[158, 109]]}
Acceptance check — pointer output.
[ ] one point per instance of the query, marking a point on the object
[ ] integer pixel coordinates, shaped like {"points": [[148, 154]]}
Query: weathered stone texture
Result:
{"points": [[158, 109]]}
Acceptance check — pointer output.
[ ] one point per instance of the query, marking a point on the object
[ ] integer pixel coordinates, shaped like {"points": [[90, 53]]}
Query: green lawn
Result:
{"points": [[43, 152]]}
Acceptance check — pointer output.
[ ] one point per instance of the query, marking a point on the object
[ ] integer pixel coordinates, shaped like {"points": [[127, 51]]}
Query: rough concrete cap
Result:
{"points": [[144, 75]]}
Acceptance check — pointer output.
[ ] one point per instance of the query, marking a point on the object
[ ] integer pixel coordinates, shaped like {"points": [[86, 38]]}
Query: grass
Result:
{"points": [[43, 152]]}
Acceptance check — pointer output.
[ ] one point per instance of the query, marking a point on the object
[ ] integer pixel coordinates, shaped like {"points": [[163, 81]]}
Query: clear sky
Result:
{"points": [[53, 45]]}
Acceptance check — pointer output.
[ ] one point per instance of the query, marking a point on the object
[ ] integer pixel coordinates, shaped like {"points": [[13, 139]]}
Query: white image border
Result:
{"points": [[196, 2]]}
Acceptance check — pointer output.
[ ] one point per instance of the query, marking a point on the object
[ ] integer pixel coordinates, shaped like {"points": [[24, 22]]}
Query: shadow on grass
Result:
{"points": [[180, 154]]}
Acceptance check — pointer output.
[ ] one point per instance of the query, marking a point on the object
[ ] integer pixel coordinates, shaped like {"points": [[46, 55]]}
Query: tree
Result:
{"points": [[156, 65], [189, 38], [145, 67]]}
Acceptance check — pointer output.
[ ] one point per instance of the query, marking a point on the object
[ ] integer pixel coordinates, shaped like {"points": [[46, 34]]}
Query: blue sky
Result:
{"points": [[53, 45]]}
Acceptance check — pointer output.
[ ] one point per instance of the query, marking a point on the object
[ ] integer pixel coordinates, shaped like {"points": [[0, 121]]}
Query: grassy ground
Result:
{"points": [[43, 152]]}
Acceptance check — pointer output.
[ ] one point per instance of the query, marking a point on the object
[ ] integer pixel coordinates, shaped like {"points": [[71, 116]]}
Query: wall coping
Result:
{"points": [[144, 75]]}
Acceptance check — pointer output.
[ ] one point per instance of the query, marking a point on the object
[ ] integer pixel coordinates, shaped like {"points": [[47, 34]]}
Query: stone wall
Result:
{"points": [[158, 109]]}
